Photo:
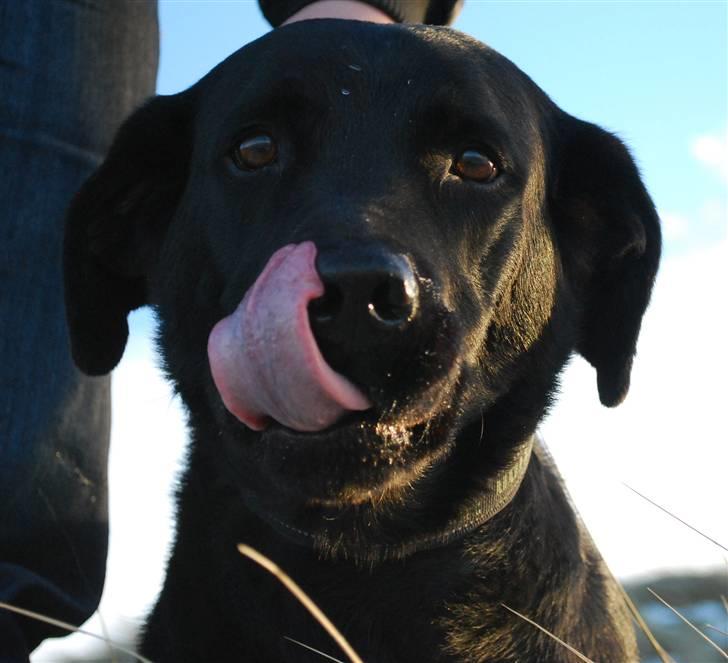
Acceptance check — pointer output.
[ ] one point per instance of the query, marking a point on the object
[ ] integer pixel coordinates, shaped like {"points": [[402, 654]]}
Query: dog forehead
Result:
{"points": [[326, 60], [306, 45]]}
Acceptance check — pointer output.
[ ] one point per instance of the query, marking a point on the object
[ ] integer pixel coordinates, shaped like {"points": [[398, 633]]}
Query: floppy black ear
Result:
{"points": [[115, 226], [609, 238]]}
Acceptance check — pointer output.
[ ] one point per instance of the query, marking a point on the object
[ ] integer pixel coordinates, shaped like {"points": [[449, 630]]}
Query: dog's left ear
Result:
{"points": [[609, 239], [116, 224]]}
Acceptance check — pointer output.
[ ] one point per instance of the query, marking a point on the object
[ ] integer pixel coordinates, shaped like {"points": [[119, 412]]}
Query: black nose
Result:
{"points": [[369, 313], [366, 289]]}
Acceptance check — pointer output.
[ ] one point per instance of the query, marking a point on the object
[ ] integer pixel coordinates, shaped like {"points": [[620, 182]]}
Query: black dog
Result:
{"points": [[417, 205]]}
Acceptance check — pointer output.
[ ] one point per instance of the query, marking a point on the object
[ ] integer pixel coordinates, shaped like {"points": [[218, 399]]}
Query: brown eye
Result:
{"points": [[474, 165], [255, 152]]}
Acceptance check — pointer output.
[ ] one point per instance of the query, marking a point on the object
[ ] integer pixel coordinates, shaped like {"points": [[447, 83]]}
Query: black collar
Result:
{"points": [[493, 495], [497, 493]]}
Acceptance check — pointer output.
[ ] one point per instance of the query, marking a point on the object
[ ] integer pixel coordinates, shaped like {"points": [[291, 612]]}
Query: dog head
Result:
{"points": [[371, 250]]}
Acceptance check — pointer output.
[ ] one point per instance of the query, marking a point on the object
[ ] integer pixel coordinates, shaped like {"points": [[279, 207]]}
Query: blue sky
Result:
{"points": [[656, 73]]}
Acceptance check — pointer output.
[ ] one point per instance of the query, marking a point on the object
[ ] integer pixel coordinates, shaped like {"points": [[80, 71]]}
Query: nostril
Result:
{"points": [[326, 307], [368, 290], [392, 302]]}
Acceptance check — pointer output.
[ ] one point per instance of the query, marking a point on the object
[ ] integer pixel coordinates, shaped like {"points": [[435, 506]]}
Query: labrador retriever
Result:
{"points": [[371, 249]]}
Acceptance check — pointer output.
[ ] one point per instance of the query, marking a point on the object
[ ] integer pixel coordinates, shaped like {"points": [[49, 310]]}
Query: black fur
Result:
{"points": [[556, 255]]}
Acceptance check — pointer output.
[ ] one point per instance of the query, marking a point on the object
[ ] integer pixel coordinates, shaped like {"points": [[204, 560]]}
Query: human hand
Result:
{"points": [[352, 10]]}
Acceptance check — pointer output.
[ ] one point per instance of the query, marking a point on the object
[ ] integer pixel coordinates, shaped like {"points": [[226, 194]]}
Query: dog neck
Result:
{"points": [[494, 493], [497, 492]]}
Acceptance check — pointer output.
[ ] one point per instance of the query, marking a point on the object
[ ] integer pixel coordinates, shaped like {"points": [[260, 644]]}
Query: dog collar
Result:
{"points": [[496, 492]]}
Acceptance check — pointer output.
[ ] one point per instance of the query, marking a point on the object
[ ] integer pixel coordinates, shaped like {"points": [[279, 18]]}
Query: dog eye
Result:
{"points": [[474, 165], [255, 152]]}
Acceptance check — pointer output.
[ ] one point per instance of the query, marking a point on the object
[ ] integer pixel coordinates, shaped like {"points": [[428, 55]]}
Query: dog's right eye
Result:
{"points": [[254, 152]]}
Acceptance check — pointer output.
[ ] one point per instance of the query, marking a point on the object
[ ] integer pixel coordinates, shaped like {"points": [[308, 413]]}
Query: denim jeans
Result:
{"points": [[70, 72]]}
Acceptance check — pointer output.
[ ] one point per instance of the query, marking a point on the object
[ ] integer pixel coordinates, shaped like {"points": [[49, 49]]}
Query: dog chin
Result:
{"points": [[354, 461], [331, 490], [320, 485], [364, 458]]}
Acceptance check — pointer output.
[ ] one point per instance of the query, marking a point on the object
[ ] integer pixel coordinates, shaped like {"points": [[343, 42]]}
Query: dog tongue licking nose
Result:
{"points": [[264, 359]]}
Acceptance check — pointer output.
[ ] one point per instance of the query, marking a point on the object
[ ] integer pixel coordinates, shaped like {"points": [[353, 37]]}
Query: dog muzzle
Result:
{"points": [[264, 359]]}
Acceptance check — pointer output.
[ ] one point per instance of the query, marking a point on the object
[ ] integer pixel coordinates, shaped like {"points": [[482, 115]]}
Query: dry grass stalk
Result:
{"points": [[680, 520], [313, 649], [690, 624], [303, 598], [664, 656], [576, 652], [715, 628], [71, 628]]}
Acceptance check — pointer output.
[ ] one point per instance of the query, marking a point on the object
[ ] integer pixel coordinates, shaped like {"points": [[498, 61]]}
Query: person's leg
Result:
{"points": [[70, 72]]}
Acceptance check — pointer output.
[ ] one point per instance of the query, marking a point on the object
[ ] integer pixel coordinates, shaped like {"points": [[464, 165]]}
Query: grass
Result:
{"points": [[303, 598], [689, 623], [353, 656], [31, 614]]}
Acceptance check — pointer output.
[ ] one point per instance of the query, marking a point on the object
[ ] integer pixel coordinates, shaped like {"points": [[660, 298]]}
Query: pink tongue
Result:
{"points": [[264, 358]]}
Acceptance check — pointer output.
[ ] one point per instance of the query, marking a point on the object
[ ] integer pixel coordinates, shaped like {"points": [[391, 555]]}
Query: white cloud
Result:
{"points": [[714, 215], [668, 438], [675, 226], [704, 225], [712, 151]]}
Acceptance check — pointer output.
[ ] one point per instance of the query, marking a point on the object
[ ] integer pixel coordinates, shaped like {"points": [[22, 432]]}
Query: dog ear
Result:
{"points": [[609, 239], [115, 226]]}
